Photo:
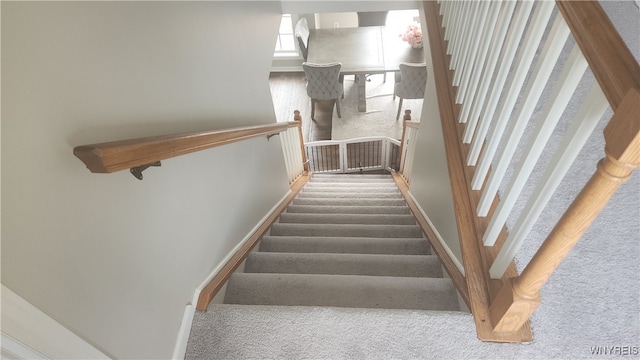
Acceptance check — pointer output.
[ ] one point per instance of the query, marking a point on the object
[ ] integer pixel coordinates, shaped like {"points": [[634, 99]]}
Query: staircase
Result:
{"points": [[346, 241]]}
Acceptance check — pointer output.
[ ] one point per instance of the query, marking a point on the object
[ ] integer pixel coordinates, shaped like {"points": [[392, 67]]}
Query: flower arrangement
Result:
{"points": [[413, 35]]}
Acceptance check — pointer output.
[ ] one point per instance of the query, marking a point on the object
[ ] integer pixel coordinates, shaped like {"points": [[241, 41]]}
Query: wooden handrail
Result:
{"points": [[609, 58], [114, 156]]}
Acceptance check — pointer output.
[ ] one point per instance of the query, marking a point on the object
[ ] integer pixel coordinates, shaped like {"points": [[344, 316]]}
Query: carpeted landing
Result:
{"points": [[346, 241]]}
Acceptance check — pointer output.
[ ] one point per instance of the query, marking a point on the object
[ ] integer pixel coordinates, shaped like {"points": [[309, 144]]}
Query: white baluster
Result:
{"points": [[480, 38], [497, 41], [461, 25], [581, 128], [530, 45], [468, 35], [488, 109], [567, 83], [547, 60], [482, 63]]}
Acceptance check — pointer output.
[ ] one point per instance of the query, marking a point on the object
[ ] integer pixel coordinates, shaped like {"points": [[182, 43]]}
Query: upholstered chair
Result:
{"points": [[410, 83], [324, 82], [302, 34]]}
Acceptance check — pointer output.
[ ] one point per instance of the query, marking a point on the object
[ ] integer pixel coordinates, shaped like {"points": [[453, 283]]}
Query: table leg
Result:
{"points": [[361, 92]]}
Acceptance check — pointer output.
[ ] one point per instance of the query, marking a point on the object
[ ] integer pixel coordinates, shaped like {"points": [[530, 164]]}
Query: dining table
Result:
{"points": [[362, 51]]}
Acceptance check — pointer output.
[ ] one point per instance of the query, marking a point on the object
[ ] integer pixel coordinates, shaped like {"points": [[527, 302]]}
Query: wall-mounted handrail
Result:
{"points": [[114, 156]]}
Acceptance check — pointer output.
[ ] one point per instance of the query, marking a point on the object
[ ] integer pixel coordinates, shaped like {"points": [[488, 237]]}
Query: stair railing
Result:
{"points": [[138, 154], [407, 147], [474, 47], [371, 153], [293, 149]]}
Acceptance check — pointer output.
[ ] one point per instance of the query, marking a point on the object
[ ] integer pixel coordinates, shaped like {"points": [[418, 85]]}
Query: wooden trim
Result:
{"points": [[412, 124], [613, 65], [517, 301], [209, 291], [470, 240], [114, 156], [449, 266], [298, 119]]}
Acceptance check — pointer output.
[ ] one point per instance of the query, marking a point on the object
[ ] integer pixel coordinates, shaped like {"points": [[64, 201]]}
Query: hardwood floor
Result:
{"points": [[289, 93]]}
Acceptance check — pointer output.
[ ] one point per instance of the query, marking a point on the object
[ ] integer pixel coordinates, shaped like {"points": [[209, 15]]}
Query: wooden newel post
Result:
{"points": [[520, 296], [297, 117], [407, 115]]}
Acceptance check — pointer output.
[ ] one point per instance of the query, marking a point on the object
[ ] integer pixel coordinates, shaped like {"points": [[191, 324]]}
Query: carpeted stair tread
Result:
{"points": [[355, 230], [348, 195], [379, 219], [351, 245], [341, 291], [362, 180], [350, 202], [344, 264], [346, 187], [324, 209], [350, 176], [310, 332]]}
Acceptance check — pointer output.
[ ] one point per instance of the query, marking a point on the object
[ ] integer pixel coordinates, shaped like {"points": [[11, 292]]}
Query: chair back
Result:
{"points": [[413, 81], [323, 80], [302, 34], [372, 18]]}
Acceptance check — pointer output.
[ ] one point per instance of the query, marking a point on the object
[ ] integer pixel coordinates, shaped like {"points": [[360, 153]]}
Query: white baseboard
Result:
{"points": [[28, 331], [183, 334], [446, 247], [187, 319]]}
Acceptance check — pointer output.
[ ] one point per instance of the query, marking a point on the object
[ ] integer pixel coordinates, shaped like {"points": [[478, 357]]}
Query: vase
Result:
{"points": [[417, 45]]}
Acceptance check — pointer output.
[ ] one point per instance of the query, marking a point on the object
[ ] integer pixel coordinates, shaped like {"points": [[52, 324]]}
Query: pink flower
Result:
{"points": [[413, 35]]}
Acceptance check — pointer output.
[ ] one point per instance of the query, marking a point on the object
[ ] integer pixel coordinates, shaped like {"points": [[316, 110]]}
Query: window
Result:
{"points": [[285, 44]]}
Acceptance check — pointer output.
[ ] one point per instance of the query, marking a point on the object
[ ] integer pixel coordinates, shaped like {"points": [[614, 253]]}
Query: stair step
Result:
{"points": [[347, 179], [320, 209], [351, 176], [346, 230], [350, 186], [350, 202], [347, 195], [341, 291], [378, 185], [352, 245], [380, 219], [344, 264]]}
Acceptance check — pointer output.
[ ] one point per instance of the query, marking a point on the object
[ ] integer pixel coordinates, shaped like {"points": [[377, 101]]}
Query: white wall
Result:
{"points": [[113, 258], [430, 183]]}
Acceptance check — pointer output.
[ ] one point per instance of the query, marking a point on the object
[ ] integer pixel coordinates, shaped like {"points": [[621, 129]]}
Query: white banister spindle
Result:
{"points": [[467, 35], [445, 10], [461, 26], [408, 151], [579, 131], [493, 38], [291, 149], [481, 38], [539, 77], [511, 46], [530, 45], [567, 83], [452, 24]]}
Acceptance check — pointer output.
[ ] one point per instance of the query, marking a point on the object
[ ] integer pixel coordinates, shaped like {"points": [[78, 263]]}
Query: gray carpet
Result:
{"points": [[346, 241]]}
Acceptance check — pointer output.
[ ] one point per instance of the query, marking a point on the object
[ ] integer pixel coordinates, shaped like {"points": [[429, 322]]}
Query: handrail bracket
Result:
{"points": [[137, 171]]}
